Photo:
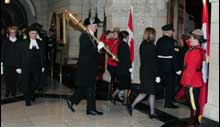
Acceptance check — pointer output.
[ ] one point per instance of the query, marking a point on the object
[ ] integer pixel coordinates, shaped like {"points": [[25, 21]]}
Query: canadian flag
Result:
{"points": [[206, 46], [131, 34]]}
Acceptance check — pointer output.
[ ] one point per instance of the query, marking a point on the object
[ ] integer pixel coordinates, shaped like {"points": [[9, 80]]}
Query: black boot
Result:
{"points": [[70, 104]]}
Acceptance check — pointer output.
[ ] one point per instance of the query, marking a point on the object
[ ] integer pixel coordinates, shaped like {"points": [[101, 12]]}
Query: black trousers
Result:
{"points": [[10, 79], [88, 93], [195, 96], [31, 83], [168, 81]]}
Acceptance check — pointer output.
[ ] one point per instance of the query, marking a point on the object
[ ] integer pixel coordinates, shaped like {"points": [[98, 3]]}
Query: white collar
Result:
{"points": [[12, 39], [33, 43]]}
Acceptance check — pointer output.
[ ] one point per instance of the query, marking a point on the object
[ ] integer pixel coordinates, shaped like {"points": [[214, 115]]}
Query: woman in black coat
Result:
{"points": [[124, 65], [148, 70]]}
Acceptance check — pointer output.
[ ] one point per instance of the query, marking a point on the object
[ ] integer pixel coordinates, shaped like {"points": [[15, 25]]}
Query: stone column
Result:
{"points": [[211, 110]]}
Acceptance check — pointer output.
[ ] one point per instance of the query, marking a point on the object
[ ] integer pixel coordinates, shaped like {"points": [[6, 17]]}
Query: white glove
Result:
{"points": [[42, 70], [130, 69], [100, 45], [157, 79], [2, 68], [179, 72], [18, 71]]}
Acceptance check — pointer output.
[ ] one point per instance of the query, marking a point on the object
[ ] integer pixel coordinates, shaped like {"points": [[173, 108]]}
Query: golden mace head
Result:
{"points": [[75, 21], [78, 25]]}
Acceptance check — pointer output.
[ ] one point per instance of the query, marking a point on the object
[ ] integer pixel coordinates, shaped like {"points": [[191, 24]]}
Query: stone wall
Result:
{"points": [[147, 13], [211, 110], [81, 7]]}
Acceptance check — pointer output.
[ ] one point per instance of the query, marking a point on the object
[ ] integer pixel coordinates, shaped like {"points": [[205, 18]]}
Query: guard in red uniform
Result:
{"points": [[192, 74], [110, 39]]}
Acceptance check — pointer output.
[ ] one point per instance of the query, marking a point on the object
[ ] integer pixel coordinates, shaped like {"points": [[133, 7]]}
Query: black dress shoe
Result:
{"points": [[28, 103], [98, 113], [70, 104], [153, 116], [93, 113]]}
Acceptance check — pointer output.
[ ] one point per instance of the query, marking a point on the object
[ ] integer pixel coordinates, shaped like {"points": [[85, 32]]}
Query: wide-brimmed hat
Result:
{"points": [[116, 29], [198, 34]]}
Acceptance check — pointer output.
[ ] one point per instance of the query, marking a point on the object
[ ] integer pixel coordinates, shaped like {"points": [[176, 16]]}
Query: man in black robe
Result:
{"points": [[9, 60], [31, 64]]}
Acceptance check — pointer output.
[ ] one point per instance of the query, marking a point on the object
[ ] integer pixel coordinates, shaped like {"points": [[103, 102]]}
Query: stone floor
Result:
{"points": [[54, 113], [50, 110]]}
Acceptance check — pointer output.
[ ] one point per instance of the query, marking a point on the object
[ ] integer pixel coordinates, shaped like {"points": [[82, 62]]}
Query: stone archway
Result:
{"points": [[13, 14]]}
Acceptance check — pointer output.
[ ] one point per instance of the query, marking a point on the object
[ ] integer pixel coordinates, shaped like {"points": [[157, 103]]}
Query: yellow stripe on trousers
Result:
{"points": [[192, 98]]}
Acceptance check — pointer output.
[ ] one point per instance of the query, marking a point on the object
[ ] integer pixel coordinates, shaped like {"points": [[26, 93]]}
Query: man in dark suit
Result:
{"points": [[165, 49], [31, 64], [88, 70]]}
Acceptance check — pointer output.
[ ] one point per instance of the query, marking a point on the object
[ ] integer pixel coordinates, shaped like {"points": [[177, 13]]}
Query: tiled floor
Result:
{"points": [[50, 110], [54, 113]]}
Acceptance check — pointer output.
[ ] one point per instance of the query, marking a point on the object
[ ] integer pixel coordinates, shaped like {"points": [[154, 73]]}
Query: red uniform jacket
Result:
{"points": [[192, 74], [113, 46]]}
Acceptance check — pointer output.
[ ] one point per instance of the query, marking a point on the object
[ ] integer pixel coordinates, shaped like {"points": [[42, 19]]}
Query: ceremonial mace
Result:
{"points": [[78, 25]]}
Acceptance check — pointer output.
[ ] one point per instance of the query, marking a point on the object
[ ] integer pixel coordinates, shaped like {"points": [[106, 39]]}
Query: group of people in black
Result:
{"points": [[24, 61], [25, 56], [161, 62], [120, 71]]}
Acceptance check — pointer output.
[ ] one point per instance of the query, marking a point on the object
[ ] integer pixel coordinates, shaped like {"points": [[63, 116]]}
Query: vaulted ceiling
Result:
{"points": [[13, 14]]}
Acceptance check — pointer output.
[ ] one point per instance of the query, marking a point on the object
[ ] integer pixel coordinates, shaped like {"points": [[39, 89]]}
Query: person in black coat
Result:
{"points": [[9, 50], [88, 70], [148, 70], [183, 48], [165, 49], [31, 64], [123, 73]]}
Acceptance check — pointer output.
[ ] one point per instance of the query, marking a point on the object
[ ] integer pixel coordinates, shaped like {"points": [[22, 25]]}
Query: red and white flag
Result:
{"points": [[206, 47], [131, 34]]}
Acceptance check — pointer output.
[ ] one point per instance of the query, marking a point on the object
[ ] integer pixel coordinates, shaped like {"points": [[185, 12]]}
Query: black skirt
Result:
{"points": [[148, 87], [124, 82]]}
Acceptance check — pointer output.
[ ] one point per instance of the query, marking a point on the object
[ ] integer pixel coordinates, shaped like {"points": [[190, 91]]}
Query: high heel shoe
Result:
{"points": [[130, 109]]}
